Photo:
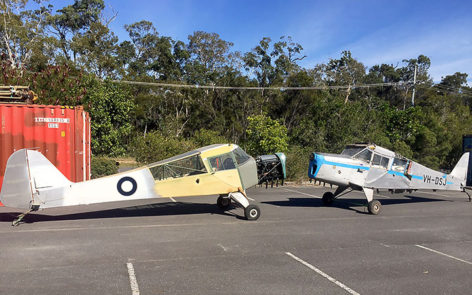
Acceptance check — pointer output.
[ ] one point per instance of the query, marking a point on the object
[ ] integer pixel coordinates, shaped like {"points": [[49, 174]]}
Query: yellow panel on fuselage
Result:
{"points": [[220, 182]]}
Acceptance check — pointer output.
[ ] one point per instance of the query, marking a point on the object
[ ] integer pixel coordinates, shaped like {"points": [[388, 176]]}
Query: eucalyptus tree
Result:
{"points": [[72, 20], [22, 32]]}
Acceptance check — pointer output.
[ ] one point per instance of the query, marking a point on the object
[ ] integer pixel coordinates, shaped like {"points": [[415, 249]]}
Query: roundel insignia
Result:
{"points": [[126, 191]]}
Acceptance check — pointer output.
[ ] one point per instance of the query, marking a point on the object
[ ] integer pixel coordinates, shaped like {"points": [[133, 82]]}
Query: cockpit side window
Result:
{"points": [[364, 155], [384, 162], [378, 160], [222, 162], [399, 165]]}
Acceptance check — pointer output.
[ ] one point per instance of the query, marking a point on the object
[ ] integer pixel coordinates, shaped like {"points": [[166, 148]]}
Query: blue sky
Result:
{"points": [[374, 31]]}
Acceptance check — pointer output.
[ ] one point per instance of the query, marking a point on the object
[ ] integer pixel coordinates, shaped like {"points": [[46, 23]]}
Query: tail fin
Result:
{"points": [[27, 171], [460, 170]]}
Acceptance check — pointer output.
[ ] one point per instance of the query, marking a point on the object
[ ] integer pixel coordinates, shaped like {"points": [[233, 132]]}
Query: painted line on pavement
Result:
{"points": [[294, 191], [444, 254], [318, 271], [251, 199], [173, 200], [132, 279]]}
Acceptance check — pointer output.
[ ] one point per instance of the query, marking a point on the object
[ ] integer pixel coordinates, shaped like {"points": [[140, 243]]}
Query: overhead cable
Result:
{"points": [[278, 88]]}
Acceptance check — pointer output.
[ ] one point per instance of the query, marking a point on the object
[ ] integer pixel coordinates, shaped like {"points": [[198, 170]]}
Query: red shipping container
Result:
{"points": [[60, 133]]}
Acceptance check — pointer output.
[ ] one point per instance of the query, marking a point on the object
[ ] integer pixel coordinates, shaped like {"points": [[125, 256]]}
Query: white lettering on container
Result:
{"points": [[51, 120]]}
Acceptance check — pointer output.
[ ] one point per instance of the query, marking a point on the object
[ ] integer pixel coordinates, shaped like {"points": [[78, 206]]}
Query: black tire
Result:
{"points": [[328, 198], [374, 207], [252, 212], [223, 202]]}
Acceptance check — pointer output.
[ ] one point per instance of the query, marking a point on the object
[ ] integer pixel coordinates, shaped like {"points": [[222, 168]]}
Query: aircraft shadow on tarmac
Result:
{"points": [[157, 209], [349, 203]]}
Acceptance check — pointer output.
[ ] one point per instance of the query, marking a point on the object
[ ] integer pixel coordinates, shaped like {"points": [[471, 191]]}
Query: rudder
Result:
{"points": [[461, 168]]}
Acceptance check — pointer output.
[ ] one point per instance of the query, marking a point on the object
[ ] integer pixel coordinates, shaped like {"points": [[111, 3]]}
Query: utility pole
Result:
{"points": [[414, 87]]}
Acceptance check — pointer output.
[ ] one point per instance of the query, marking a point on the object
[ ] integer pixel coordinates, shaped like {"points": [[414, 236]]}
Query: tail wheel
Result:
{"points": [[374, 207], [252, 212], [328, 198], [223, 202]]}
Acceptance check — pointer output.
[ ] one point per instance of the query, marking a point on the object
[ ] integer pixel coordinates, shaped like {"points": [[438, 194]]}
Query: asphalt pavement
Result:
{"points": [[421, 243]]}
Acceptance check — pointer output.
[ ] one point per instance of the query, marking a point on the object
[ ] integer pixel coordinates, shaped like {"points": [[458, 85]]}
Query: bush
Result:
{"points": [[297, 163], [266, 136], [102, 166], [204, 137], [155, 147]]}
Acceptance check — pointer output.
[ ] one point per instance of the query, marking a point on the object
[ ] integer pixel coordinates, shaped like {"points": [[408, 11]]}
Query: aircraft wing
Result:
{"points": [[387, 179]]}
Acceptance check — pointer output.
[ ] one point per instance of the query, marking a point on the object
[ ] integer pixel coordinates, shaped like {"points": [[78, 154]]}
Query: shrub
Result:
{"points": [[102, 166], [266, 136], [155, 147], [204, 137], [297, 163]]}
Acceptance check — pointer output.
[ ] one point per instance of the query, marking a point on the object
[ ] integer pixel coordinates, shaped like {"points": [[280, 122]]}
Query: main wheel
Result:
{"points": [[252, 212], [328, 198], [374, 207], [223, 202]]}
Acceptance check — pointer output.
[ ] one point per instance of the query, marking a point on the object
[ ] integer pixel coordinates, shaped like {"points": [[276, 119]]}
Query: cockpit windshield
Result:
{"points": [[352, 150]]}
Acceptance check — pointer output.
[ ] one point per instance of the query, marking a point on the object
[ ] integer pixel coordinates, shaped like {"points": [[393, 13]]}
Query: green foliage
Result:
{"points": [[265, 136], [204, 137], [297, 163], [155, 147], [110, 108], [102, 166]]}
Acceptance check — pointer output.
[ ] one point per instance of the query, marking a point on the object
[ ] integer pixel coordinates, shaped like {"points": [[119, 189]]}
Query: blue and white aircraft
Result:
{"points": [[366, 167]]}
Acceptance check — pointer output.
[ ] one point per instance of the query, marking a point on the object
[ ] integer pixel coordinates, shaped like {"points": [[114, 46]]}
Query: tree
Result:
{"points": [[345, 70], [72, 20], [209, 50], [110, 109], [22, 31], [265, 136], [97, 49], [272, 66]]}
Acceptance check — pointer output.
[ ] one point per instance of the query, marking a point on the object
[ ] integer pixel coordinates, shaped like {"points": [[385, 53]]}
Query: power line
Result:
{"points": [[278, 88]]}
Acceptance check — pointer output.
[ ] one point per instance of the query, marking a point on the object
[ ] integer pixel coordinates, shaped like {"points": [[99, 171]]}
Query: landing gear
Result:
{"points": [[20, 217], [223, 202], [374, 207], [252, 212], [328, 198]]}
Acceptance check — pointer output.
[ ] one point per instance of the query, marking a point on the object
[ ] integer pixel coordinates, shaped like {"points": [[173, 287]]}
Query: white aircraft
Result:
{"points": [[32, 182], [366, 167]]}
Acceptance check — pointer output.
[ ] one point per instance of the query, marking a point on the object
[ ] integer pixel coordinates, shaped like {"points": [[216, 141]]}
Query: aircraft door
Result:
{"points": [[224, 168]]}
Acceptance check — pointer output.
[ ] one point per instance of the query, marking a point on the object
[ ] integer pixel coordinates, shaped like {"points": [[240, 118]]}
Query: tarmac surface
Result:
{"points": [[421, 243]]}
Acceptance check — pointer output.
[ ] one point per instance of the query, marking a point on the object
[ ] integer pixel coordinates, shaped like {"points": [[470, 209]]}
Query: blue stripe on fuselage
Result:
{"points": [[402, 174]]}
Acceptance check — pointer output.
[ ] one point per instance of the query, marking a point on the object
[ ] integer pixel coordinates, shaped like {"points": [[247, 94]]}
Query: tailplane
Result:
{"points": [[26, 172], [460, 170]]}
